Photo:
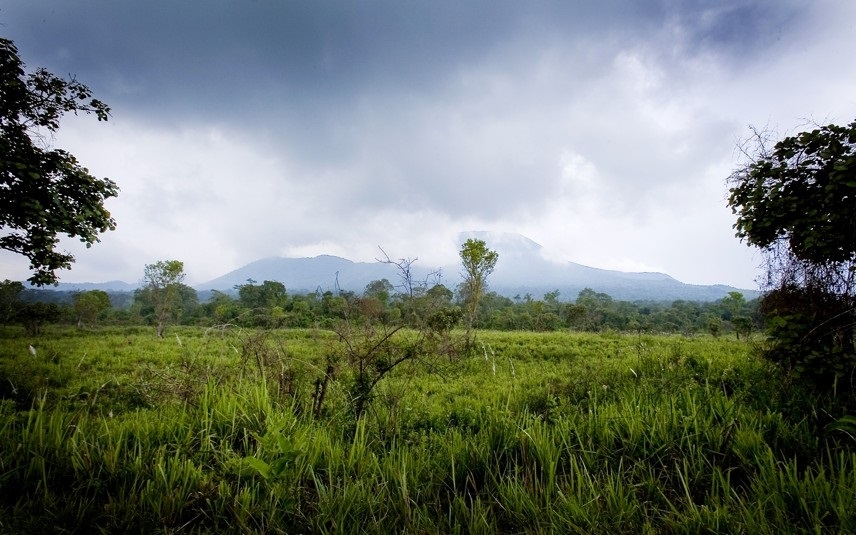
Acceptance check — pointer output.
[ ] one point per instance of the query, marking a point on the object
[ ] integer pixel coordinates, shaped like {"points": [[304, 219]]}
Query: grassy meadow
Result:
{"points": [[221, 431]]}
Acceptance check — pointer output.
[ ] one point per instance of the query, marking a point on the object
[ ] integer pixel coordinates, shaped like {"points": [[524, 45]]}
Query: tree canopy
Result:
{"points": [[801, 194], [162, 285], [797, 203], [478, 262], [45, 192], [89, 305]]}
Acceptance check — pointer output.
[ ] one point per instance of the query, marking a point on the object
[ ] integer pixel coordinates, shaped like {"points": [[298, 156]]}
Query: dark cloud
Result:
{"points": [[315, 55], [281, 125], [742, 29]]}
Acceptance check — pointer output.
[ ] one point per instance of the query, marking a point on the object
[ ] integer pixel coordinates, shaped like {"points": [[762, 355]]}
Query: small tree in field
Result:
{"points": [[35, 315], [89, 305], [373, 346], [797, 203], [478, 262], [161, 282]]}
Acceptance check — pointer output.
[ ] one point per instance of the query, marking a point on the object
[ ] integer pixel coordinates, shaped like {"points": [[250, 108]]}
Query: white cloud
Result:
{"points": [[608, 144]]}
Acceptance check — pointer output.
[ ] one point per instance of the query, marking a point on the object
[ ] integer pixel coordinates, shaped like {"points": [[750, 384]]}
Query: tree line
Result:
{"points": [[268, 304]]}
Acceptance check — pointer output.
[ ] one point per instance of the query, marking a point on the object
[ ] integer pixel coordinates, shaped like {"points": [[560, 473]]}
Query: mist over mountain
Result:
{"points": [[523, 268], [324, 272], [109, 286]]}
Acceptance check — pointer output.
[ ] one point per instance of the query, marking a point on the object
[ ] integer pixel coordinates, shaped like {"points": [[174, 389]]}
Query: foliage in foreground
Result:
{"points": [[539, 433], [796, 203], [45, 192]]}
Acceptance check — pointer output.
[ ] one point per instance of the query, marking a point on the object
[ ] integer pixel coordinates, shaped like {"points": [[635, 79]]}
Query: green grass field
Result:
{"points": [[214, 431]]}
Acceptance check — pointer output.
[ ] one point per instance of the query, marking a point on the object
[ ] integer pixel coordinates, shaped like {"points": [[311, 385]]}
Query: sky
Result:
{"points": [[605, 131]]}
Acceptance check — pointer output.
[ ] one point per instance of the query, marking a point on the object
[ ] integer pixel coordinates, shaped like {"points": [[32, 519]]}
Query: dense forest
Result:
{"points": [[269, 305]]}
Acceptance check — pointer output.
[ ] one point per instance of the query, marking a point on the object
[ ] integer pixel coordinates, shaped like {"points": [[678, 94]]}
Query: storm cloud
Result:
{"points": [[603, 131]]}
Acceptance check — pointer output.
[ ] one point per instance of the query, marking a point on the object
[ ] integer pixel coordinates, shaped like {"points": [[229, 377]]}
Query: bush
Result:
{"points": [[811, 332]]}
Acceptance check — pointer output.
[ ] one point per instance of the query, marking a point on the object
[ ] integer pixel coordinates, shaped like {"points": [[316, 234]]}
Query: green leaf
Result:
{"points": [[259, 466]]}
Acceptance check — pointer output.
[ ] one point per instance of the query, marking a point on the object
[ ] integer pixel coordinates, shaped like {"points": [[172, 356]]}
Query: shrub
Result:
{"points": [[811, 332]]}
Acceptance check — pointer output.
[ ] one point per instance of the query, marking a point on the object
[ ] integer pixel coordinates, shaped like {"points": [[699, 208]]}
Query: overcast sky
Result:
{"points": [[602, 130]]}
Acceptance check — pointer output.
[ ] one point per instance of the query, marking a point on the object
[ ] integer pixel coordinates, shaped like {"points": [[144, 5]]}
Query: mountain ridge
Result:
{"points": [[523, 268]]}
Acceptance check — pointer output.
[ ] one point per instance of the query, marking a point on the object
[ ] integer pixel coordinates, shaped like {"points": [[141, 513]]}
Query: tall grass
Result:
{"points": [[601, 434]]}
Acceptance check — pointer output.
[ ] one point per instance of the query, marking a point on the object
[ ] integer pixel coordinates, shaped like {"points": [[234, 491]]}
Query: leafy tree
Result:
{"points": [[733, 304], [478, 262], [258, 302], [742, 325], [596, 306], [381, 290], [440, 294], [796, 203], [35, 315], [221, 307], [545, 314], [714, 326], [376, 299], [162, 282], [575, 315], [45, 192], [264, 296], [551, 301], [803, 195], [182, 308], [89, 305], [188, 307], [10, 295]]}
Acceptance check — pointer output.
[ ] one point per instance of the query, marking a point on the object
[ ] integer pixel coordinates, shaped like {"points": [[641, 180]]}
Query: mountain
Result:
{"points": [[306, 274], [523, 268]]}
